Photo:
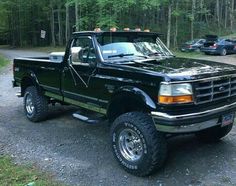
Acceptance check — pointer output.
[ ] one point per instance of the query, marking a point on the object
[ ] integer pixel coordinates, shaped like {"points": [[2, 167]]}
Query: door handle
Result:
{"points": [[65, 69]]}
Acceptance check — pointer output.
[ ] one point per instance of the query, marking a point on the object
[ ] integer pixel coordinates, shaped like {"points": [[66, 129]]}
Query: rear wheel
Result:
{"points": [[139, 148], [214, 134], [35, 105], [223, 52]]}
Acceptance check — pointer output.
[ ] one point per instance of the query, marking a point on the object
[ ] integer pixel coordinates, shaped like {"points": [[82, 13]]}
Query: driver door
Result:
{"points": [[79, 85]]}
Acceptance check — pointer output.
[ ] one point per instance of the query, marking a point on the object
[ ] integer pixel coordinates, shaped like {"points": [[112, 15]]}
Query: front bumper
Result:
{"points": [[192, 122]]}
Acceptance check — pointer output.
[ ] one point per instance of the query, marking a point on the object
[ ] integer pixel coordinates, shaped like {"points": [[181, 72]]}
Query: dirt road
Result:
{"points": [[80, 154]]}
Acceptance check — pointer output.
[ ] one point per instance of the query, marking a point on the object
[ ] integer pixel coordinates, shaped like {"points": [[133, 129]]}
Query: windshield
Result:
{"points": [[126, 47]]}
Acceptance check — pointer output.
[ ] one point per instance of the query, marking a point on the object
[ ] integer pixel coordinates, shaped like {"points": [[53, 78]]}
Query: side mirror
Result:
{"points": [[69, 59]]}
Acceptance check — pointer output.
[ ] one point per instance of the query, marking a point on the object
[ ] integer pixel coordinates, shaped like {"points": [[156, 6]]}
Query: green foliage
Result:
{"points": [[15, 175], [107, 22], [3, 62], [22, 20]]}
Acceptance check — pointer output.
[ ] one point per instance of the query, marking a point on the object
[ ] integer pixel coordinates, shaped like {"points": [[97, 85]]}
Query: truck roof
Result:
{"points": [[116, 33]]}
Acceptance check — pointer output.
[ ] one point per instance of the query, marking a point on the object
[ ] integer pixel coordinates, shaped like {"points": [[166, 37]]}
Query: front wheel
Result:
{"points": [[35, 105], [214, 134], [139, 148]]}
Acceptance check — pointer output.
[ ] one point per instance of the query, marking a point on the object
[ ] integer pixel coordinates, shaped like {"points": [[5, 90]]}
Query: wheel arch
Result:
{"points": [[127, 99], [29, 79]]}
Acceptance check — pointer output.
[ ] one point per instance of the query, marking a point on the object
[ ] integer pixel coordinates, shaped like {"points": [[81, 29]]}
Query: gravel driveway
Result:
{"points": [[79, 154]]}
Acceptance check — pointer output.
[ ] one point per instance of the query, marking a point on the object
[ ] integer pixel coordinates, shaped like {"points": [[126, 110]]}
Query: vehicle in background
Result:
{"points": [[215, 45], [193, 45]]}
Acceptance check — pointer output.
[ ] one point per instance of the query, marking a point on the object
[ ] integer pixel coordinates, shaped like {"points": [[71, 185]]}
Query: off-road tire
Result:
{"points": [[223, 52], [39, 102], [214, 134], [154, 143]]}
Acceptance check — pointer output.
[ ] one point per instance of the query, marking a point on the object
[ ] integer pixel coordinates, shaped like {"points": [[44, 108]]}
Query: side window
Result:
{"points": [[201, 41], [82, 50]]}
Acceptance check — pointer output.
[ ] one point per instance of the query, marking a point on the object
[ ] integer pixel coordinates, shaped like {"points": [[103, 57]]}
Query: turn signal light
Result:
{"points": [[175, 99], [97, 29], [147, 30]]}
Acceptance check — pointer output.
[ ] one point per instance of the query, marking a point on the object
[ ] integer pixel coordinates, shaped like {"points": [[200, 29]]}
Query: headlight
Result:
{"points": [[175, 93]]}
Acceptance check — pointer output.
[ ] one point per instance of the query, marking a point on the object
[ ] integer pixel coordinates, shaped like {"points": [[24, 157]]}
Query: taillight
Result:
{"points": [[214, 46], [190, 46], [234, 47]]}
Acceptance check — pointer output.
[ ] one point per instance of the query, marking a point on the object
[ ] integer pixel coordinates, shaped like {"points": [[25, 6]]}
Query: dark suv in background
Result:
{"points": [[193, 45], [215, 45]]}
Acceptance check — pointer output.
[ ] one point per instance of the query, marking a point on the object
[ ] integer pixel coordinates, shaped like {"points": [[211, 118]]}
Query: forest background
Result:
{"points": [[22, 22]]}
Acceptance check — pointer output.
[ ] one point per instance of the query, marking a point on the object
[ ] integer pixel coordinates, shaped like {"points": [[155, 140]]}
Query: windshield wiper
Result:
{"points": [[120, 55], [123, 55], [155, 53], [160, 54]]}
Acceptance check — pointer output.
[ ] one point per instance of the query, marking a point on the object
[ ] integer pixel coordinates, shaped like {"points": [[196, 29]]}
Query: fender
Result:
{"points": [[30, 75], [138, 93]]}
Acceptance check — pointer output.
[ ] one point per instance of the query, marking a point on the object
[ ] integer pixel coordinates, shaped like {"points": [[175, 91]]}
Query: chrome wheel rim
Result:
{"points": [[29, 104], [130, 145]]}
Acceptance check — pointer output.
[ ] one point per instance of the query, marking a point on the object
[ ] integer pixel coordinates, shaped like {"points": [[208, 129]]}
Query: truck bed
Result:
{"points": [[40, 69]]}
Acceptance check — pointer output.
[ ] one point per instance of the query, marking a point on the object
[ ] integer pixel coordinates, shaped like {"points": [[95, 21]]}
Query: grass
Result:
{"points": [[18, 175], [3, 62], [231, 36], [188, 54]]}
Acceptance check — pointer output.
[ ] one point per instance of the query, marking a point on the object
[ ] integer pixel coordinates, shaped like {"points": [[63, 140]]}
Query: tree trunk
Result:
{"points": [[192, 19], [218, 13], [67, 23], [201, 7], [226, 14], [60, 40], [53, 28], [76, 15], [176, 26], [169, 26], [232, 16]]}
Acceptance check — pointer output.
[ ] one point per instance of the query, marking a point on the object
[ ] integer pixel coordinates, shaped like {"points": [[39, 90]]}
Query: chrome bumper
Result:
{"points": [[209, 119]]}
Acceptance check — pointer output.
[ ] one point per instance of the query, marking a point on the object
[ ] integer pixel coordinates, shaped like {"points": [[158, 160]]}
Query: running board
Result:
{"points": [[91, 118]]}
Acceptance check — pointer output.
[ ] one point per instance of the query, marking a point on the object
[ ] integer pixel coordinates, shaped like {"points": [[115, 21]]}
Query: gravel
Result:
{"points": [[79, 154]]}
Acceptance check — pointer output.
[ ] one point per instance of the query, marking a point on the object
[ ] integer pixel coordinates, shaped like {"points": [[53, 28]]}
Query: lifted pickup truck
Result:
{"points": [[132, 80]]}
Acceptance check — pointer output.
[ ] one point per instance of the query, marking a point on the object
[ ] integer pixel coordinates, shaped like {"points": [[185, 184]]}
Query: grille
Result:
{"points": [[215, 89]]}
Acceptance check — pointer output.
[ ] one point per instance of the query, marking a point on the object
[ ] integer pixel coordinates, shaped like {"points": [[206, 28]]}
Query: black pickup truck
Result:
{"points": [[131, 79]]}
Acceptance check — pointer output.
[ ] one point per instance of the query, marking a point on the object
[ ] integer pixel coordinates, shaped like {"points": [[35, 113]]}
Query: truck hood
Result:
{"points": [[180, 69]]}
